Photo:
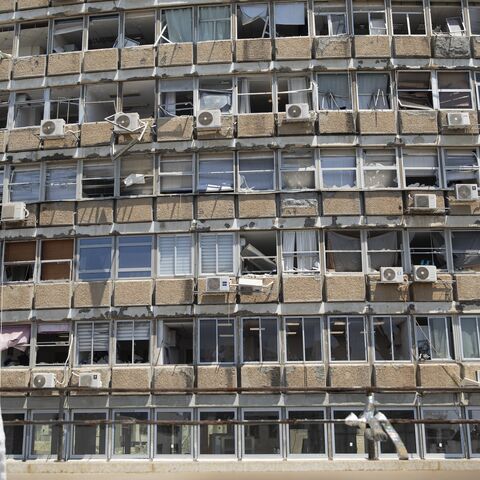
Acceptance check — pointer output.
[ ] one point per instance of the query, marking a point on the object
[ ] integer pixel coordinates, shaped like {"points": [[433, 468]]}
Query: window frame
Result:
{"points": [[392, 358], [190, 273], [387, 98], [446, 169], [114, 351], [191, 428], [149, 272], [25, 429], [332, 11], [173, 159], [414, 152], [317, 95], [448, 325], [235, 429], [110, 271], [284, 169], [31, 430], [234, 332], [295, 255], [302, 319], [249, 156], [477, 321], [59, 261], [33, 262], [235, 255], [280, 430], [438, 90], [115, 426], [260, 346], [347, 338], [93, 324], [339, 153], [406, 12], [226, 174], [372, 153], [470, 414], [71, 432]]}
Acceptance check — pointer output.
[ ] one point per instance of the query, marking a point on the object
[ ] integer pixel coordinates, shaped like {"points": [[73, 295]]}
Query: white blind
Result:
{"points": [[217, 253], [208, 246], [183, 254], [175, 255], [89, 334], [127, 331], [166, 249], [225, 253]]}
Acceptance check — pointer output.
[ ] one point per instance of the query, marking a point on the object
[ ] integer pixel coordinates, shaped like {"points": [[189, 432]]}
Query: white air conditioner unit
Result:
{"points": [[44, 380], [255, 284], [425, 201], [297, 112], [391, 274], [14, 212], [458, 119], [424, 273], [209, 119], [52, 128], [126, 122], [91, 379], [218, 284], [466, 191]]}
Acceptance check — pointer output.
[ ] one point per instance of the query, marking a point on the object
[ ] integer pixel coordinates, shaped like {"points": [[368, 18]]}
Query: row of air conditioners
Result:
{"points": [[421, 273], [465, 192], [48, 380]]}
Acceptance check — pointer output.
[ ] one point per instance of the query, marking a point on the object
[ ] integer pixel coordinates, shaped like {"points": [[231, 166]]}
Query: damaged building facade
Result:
{"points": [[236, 211]]}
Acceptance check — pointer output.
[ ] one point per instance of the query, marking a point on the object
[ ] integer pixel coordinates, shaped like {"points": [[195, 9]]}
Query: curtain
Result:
{"points": [[244, 106], [438, 245], [170, 103], [373, 91], [470, 338], [290, 13], [214, 23], [466, 250], [307, 242], [333, 91], [179, 24], [297, 83], [438, 336], [15, 336], [252, 13], [288, 250], [343, 259], [215, 100], [384, 242]]}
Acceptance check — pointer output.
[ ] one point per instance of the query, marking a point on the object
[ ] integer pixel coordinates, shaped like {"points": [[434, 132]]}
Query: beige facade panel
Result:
{"points": [[174, 208], [216, 376], [226, 130], [451, 46], [383, 203], [174, 128], [23, 139], [129, 210], [467, 287], [418, 122], [412, 46], [254, 50], [471, 129], [5, 68], [219, 51], [31, 220], [29, 67], [14, 378], [175, 54], [100, 60], [341, 203], [57, 213], [65, 63], [256, 125], [458, 207], [372, 46], [302, 288], [345, 288], [305, 376], [93, 212], [174, 291], [439, 291], [293, 48], [92, 294], [256, 376], [148, 136], [215, 206], [53, 295], [131, 377], [333, 122], [17, 297], [377, 122], [206, 298], [95, 133], [439, 375], [27, 4], [387, 292], [411, 202], [395, 375], [286, 127], [351, 375], [332, 47], [70, 140], [268, 294], [476, 46], [3, 140], [299, 205], [132, 292], [257, 206], [137, 57], [7, 5], [175, 377], [469, 370]]}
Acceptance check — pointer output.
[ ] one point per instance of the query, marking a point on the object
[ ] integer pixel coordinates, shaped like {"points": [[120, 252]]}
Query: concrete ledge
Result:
{"points": [[174, 128], [174, 208], [29, 67], [28, 4], [65, 63], [471, 129], [205, 298], [101, 60], [6, 65], [299, 204], [303, 376], [439, 375], [57, 213], [335, 122], [411, 46], [95, 133], [137, 57], [219, 51], [302, 288], [53, 295], [92, 294], [257, 376], [14, 377], [388, 375], [457, 207], [350, 375], [377, 122], [133, 292], [257, 206], [253, 50], [7, 5], [130, 210], [216, 376], [293, 48], [174, 54], [173, 376], [295, 128], [215, 206], [174, 291], [372, 46], [23, 139], [256, 125], [268, 294], [448, 46], [332, 47], [341, 203], [131, 377], [418, 122], [226, 130], [345, 288], [3, 140], [387, 292], [383, 203], [439, 291], [467, 287], [70, 140], [91, 212], [17, 297]]}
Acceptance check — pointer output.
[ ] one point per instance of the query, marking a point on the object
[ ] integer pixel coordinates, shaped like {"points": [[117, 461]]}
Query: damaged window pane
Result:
{"points": [[297, 170], [61, 182], [98, 179], [139, 97], [44, 438], [139, 29], [214, 23], [466, 251], [300, 251], [447, 19], [29, 108], [176, 98], [421, 168], [253, 21], [176, 339], [176, 174], [414, 90], [136, 175], [444, 438], [254, 96], [291, 19], [67, 35], [256, 171], [133, 342], [216, 340], [294, 90], [461, 166], [369, 19], [6, 39], [339, 168], [65, 103], [19, 261], [177, 25], [258, 252], [428, 248], [392, 339], [93, 343], [384, 249], [303, 339], [434, 337], [134, 257], [216, 94], [33, 39], [306, 437], [347, 339], [4, 99], [454, 90], [24, 184], [103, 32], [343, 251], [330, 19], [470, 331], [16, 344], [175, 255], [215, 172], [408, 20], [53, 343], [95, 258], [100, 102], [334, 91], [380, 169], [260, 342], [474, 14], [56, 258], [373, 91]]}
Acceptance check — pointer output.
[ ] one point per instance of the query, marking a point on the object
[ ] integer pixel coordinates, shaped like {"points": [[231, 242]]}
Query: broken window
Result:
{"points": [[176, 98], [131, 438], [2, 177], [4, 99], [175, 339], [67, 35], [334, 91], [14, 434], [343, 251], [174, 439], [214, 23], [414, 91], [347, 339], [300, 251], [347, 440], [258, 252], [24, 184], [408, 19], [461, 166], [380, 169], [443, 438], [177, 25], [291, 19], [384, 249], [89, 439], [217, 439], [447, 18], [61, 182], [474, 431], [136, 175], [339, 168], [373, 91], [65, 103], [53, 343], [428, 248], [98, 179], [466, 251], [139, 28], [470, 331], [29, 108], [260, 340], [369, 18], [294, 90], [306, 437], [134, 256], [93, 343], [216, 340], [406, 431], [304, 339], [44, 438], [392, 338], [216, 253], [216, 94], [253, 21], [139, 97], [103, 32], [261, 438], [56, 258], [254, 96], [174, 255], [15, 345], [215, 172], [297, 170], [175, 174], [454, 90], [474, 14], [7, 35], [95, 258], [330, 18], [33, 39], [100, 102], [19, 261], [256, 171], [434, 338], [132, 341], [421, 168]]}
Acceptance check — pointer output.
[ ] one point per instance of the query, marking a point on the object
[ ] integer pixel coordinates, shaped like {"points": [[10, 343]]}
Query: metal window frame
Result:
{"points": [[76, 350], [71, 434], [348, 319], [260, 352], [151, 343], [477, 321], [235, 255], [172, 456], [302, 319], [392, 358], [234, 341], [114, 427]]}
